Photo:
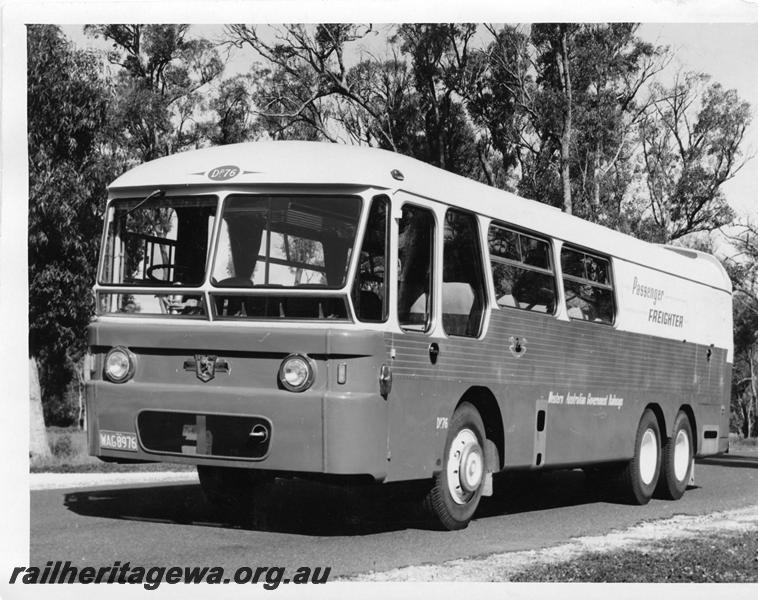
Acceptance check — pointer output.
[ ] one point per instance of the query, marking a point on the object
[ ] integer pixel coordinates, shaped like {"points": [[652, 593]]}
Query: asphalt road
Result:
{"points": [[304, 524]]}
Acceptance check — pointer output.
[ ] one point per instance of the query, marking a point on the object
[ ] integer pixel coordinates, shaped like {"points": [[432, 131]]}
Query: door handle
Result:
{"points": [[434, 352]]}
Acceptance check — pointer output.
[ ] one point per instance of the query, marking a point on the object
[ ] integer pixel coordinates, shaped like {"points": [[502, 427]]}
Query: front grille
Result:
{"points": [[208, 435]]}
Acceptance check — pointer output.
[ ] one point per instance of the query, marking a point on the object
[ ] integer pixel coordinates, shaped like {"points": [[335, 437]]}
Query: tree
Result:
{"points": [[499, 102], [560, 103], [438, 55], [387, 87], [612, 68], [161, 74], [308, 71], [234, 119], [691, 146], [408, 102], [67, 112], [743, 270], [555, 45]]}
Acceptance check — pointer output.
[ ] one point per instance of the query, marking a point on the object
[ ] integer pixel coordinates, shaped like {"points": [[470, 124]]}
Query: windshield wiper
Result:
{"points": [[151, 195]]}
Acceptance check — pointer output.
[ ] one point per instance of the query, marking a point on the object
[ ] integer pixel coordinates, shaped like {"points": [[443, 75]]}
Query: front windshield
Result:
{"points": [[163, 241], [285, 241]]}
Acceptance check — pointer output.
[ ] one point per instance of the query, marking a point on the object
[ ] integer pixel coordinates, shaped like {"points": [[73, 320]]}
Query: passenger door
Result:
{"points": [[412, 428]]}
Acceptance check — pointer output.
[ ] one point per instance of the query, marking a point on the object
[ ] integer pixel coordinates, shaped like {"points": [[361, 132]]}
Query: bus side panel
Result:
{"points": [[595, 413], [594, 379], [418, 408]]}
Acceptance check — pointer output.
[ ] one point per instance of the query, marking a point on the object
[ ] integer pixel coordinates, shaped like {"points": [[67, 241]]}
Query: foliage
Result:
{"points": [[438, 55], [308, 71], [157, 87], [407, 102], [232, 108], [691, 146], [67, 107], [743, 270], [562, 113], [560, 103]]}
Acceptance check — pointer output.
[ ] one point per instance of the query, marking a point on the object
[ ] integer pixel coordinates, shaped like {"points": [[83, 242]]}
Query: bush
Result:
{"points": [[63, 446], [60, 411]]}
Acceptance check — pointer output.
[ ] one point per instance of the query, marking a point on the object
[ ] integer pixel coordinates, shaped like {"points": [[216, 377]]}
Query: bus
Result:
{"points": [[304, 309]]}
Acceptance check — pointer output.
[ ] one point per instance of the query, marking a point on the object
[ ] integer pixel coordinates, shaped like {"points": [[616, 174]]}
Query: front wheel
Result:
{"points": [[640, 475], [677, 460], [457, 488]]}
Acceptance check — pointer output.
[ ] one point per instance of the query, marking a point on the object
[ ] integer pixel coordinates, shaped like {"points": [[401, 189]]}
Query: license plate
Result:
{"points": [[119, 440]]}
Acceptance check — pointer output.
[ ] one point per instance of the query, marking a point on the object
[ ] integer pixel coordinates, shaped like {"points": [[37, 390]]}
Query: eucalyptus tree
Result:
{"points": [[691, 145], [561, 103], [743, 270], [67, 114], [161, 76]]}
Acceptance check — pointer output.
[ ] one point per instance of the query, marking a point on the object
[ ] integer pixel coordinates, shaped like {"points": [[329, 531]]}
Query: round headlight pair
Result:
{"points": [[297, 372], [119, 364]]}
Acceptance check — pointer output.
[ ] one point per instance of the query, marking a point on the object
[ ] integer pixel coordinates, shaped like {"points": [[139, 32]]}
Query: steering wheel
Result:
{"points": [[150, 271]]}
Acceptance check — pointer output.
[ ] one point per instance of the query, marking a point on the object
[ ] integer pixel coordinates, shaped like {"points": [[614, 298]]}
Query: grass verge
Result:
{"points": [[743, 445], [721, 558], [69, 454]]}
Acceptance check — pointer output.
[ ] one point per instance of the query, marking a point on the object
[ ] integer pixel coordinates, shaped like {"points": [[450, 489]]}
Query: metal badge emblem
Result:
{"points": [[517, 347], [205, 367]]}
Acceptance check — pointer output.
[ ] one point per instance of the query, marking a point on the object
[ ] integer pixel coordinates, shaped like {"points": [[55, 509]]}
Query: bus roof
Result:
{"points": [[319, 163]]}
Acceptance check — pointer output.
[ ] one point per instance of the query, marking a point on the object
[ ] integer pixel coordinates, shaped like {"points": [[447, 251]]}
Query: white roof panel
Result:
{"points": [[317, 163]]}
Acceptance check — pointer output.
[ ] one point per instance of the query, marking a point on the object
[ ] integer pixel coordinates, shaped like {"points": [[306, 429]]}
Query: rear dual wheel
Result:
{"points": [[677, 460], [639, 477]]}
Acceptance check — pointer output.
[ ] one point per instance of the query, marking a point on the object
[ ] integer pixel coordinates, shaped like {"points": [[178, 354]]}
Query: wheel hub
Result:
{"points": [[681, 455], [648, 456], [465, 466]]}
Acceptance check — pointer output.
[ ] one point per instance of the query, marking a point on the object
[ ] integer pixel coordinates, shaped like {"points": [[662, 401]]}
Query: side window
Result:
{"points": [[521, 270], [462, 276], [370, 289], [588, 287], [414, 273]]}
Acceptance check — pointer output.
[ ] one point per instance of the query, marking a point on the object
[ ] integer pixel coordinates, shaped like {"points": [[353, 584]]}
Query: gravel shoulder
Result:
{"points": [[507, 566]]}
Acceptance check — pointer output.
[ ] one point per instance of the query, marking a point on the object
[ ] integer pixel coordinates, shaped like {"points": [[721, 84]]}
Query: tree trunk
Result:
{"points": [[565, 73], [38, 446], [596, 175], [753, 395], [81, 377], [486, 169]]}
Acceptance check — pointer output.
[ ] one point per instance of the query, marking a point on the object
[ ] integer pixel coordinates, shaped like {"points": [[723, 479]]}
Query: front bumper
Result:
{"points": [[341, 433]]}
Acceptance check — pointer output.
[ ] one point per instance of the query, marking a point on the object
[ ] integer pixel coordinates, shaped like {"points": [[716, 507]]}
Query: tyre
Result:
{"points": [[639, 477], [677, 460], [457, 488]]}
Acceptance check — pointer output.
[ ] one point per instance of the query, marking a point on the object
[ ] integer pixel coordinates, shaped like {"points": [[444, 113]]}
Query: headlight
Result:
{"points": [[297, 372], [119, 364]]}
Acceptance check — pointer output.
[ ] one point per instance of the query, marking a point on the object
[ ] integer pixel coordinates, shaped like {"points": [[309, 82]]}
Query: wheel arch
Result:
{"points": [[690, 414], [658, 412], [485, 402]]}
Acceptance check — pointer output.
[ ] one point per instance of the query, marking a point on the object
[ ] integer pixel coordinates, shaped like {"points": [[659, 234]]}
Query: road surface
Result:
{"points": [[305, 524]]}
